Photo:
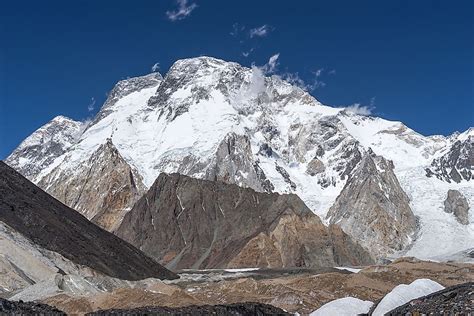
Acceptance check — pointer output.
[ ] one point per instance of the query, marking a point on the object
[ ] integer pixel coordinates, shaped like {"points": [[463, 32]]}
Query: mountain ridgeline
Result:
{"points": [[376, 183]]}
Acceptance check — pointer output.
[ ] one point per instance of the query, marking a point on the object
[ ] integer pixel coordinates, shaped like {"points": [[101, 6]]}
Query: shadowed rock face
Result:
{"points": [[457, 204], [53, 226], [239, 309], [373, 209], [190, 223]]}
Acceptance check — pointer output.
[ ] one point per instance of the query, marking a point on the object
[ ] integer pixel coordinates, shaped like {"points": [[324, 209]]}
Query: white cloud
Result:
{"points": [[260, 31], [332, 72], [155, 67], [272, 64], [91, 105], [183, 11], [359, 109]]}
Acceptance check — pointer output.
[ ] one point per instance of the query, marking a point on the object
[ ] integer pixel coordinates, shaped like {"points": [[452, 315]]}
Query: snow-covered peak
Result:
{"points": [[47, 143], [289, 141]]}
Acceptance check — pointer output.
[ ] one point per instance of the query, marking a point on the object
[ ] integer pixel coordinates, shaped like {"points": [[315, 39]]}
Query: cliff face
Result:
{"points": [[373, 209], [103, 189], [190, 223], [49, 225]]}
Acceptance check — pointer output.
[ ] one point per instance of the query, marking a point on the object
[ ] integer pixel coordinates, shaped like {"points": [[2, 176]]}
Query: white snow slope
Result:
{"points": [[160, 124]]}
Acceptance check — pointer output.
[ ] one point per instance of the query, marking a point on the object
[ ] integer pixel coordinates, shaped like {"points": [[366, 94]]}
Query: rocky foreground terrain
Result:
{"points": [[293, 290], [454, 300]]}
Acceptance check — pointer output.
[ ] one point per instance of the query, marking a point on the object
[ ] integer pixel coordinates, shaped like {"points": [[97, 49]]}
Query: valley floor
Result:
{"points": [[294, 290]]}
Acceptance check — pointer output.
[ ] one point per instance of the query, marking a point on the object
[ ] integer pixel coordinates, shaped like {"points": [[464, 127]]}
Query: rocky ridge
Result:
{"points": [[45, 225], [190, 223]]}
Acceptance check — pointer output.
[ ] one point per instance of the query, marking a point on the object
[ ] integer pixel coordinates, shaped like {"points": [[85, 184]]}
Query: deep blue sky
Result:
{"points": [[414, 57]]}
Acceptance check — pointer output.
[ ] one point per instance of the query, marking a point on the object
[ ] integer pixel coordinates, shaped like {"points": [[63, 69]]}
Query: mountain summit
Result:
{"points": [[217, 120]]}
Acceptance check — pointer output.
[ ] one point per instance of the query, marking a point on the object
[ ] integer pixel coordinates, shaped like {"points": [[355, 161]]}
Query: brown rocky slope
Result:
{"points": [[191, 223]]}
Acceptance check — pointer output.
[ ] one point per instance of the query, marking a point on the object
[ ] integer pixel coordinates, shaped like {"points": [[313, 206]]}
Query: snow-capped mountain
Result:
{"points": [[217, 120]]}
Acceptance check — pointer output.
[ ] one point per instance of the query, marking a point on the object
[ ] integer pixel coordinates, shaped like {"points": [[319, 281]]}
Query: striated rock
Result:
{"points": [[190, 223], [237, 309], [373, 209], [103, 189], [457, 204], [234, 163], [51, 225]]}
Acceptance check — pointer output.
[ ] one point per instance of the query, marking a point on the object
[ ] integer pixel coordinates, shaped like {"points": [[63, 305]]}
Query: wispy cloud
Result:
{"points": [[332, 72], [260, 31], [184, 10], [155, 67], [359, 109], [314, 83], [272, 64], [91, 105], [237, 29]]}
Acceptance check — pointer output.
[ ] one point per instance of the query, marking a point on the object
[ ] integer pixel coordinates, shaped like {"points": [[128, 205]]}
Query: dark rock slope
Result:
{"points": [[454, 300], [56, 227], [238, 309], [27, 308], [190, 223]]}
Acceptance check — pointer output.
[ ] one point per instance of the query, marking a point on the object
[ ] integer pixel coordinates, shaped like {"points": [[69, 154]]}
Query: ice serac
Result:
{"points": [[457, 204], [36, 218], [192, 223], [373, 208], [39, 150], [457, 163], [103, 188]]}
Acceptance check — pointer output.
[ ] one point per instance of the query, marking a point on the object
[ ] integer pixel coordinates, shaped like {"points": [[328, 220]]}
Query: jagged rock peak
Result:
{"points": [[373, 208]]}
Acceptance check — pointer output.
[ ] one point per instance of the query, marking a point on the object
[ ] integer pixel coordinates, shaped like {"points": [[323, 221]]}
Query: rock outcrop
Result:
{"points": [[52, 226], [191, 223], [457, 164], [373, 209], [457, 204], [103, 189]]}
